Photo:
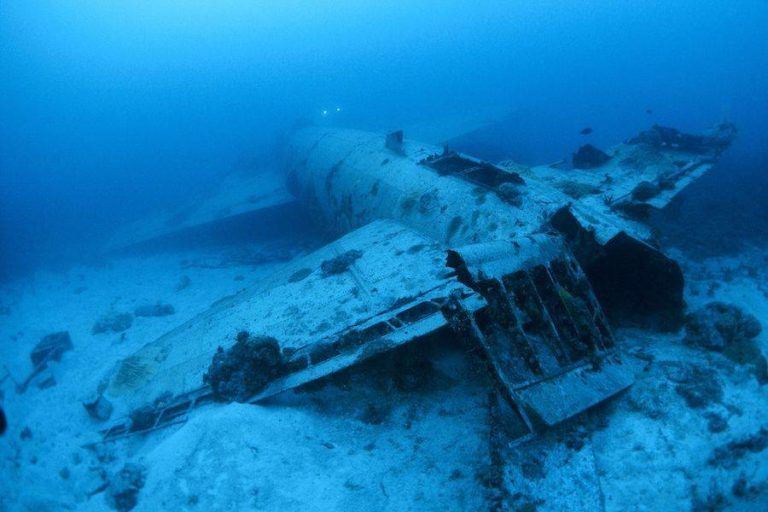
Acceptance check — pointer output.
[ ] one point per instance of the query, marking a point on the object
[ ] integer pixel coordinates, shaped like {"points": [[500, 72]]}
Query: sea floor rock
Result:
{"points": [[113, 322], [729, 454], [124, 487], [158, 309], [719, 325], [98, 408], [699, 386]]}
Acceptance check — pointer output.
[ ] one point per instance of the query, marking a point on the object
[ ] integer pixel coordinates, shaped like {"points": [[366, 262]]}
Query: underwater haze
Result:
{"points": [[110, 111], [383, 255]]}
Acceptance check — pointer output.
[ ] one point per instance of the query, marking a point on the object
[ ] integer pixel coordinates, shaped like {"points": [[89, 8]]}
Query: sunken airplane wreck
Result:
{"points": [[532, 265]]}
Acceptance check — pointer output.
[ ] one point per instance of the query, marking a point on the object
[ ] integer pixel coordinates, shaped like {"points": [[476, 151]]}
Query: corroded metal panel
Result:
{"points": [[543, 331]]}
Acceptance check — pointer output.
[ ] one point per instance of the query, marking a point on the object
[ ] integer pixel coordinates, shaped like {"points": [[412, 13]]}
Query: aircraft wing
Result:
{"points": [[642, 175], [259, 201], [525, 303], [390, 293]]}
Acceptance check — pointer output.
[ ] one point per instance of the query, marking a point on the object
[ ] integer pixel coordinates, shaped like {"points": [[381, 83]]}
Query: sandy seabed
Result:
{"points": [[360, 443]]}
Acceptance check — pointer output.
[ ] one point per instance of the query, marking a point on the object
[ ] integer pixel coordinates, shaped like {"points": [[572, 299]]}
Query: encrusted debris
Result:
{"points": [[51, 348], [714, 501], [124, 486], [716, 423], [394, 142], [648, 400], [719, 325], [700, 393], [243, 370], [340, 263], [645, 190], [299, 275], [98, 408], [743, 489], [577, 190], [728, 455], [699, 386], [664, 138], [158, 309], [510, 193], [113, 322], [589, 157], [142, 418]]}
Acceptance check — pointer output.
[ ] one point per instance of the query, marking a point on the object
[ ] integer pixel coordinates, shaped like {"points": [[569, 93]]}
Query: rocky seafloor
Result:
{"points": [[690, 434]]}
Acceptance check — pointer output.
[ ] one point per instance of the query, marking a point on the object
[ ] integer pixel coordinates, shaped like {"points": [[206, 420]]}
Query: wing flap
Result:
{"points": [[555, 400], [543, 330]]}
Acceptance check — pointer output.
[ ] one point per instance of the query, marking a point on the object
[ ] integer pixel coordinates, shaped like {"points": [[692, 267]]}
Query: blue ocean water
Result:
{"points": [[642, 389], [110, 111]]}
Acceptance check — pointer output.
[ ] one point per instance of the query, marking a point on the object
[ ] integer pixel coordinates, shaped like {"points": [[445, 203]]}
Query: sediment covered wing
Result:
{"points": [[525, 303], [618, 190], [375, 288], [259, 201]]}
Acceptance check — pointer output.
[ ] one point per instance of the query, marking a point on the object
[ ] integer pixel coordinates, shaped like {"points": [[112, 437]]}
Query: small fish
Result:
{"points": [[3, 422], [586, 131]]}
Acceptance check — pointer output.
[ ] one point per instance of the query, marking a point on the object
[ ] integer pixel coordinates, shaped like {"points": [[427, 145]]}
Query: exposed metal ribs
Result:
{"points": [[474, 171], [159, 416], [542, 331]]}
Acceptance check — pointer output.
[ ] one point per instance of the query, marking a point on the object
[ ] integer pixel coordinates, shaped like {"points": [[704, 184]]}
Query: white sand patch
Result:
{"points": [[313, 451]]}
